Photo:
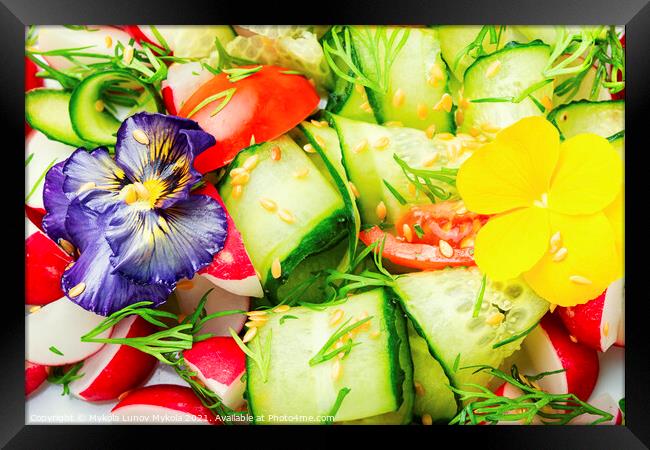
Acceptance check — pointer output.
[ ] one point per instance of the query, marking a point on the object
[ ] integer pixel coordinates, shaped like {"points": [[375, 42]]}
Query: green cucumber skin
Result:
{"points": [[377, 303], [61, 131], [586, 107]]}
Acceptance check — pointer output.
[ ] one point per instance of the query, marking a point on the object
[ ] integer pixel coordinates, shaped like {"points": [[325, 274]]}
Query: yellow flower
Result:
{"points": [[557, 206]]}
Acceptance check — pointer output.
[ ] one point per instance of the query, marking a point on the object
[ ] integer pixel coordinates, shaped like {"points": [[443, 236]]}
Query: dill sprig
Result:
{"points": [[329, 419], [483, 406], [58, 375], [423, 180], [379, 44], [323, 355], [479, 297], [239, 73], [475, 48], [261, 355]]}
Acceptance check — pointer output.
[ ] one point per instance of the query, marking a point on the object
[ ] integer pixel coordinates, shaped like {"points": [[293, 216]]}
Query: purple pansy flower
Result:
{"points": [[132, 218]]}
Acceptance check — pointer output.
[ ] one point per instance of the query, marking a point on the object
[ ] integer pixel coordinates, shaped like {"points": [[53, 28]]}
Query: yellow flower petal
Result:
{"points": [[512, 243], [587, 266], [589, 176], [512, 171], [614, 212]]}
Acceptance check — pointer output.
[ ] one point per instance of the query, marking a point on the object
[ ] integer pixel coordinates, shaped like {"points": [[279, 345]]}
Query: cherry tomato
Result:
{"points": [[265, 105], [449, 221], [417, 256]]}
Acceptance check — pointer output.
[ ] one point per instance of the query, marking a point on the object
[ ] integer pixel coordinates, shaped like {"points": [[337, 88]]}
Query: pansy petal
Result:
{"points": [[56, 204], [587, 266], [513, 171], [91, 282], [510, 244], [589, 176], [158, 151], [154, 246], [92, 170], [82, 220]]}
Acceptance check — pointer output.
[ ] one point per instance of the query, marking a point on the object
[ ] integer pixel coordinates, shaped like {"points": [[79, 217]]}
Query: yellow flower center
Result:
{"points": [[144, 195], [542, 202]]}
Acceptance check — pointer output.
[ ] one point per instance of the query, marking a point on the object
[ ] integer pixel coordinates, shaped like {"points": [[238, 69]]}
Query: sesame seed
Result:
{"points": [[128, 55], [286, 216], [99, 105], [398, 98], [337, 315], [606, 329], [258, 320], [252, 141], [573, 339], [445, 103], [380, 210], [86, 187], [431, 130], [69, 266], [140, 136], [301, 173], [393, 124], [336, 370], [108, 41], [422, 111], [281, 309], [407, 232], [319, 123], [579, 279], [548, 104], [251, 162], [268, 204], [435, 75], [445, 136], [276, 268], [276, 153], [445, 249], [555, 242], [474, 131], [125, 393], [252, 324], [366, 107], [564, 117], [354, 190], [237, 171], [460, 117], [467, 242], [67, 246], [77, 290], [250, 334], [412, 189], [419, 389], [237, 191], [257, 313], [552, 308], [309, 148], [381, 143], [33, 309], [493, 69], [319, 140], [241, 178], [375, 334], [361, 146], [184, 285], [560, 254], [495, 319], [489, 128], [359, 88], [427, 419]]}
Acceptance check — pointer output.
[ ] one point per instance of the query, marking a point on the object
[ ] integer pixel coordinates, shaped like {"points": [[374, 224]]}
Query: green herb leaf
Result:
{"points": [[286, 317], [261, 358], [56, 351], [341, 331], [418, 230], [225, 95], [239, 73], [456, 363], [423, 179], [337, 405], [479, 297], [515, 337], [395, 193], [58, 375]]}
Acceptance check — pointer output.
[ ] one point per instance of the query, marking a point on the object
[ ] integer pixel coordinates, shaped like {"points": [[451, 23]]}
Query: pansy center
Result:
{"points": [[542, 202], [144, 195]]}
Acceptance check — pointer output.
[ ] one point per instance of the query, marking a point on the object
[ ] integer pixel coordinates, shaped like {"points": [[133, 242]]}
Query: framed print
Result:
{"points": [[391, 217]]}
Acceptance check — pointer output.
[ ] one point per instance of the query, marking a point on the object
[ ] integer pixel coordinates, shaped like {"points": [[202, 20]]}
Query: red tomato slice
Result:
{"points": [[264, 106], [442, 221], [417, 256]]}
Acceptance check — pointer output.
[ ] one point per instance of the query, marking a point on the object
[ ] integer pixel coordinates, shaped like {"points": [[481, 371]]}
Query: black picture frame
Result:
{"points": [[16, 14]]}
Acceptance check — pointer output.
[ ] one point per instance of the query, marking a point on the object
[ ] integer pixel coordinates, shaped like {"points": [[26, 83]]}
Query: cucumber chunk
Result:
{"points": [[506, 73], [435, 398], [368, 165], [440, 305], [46, 110], [308, 214], [294, 391], [604, 118]]}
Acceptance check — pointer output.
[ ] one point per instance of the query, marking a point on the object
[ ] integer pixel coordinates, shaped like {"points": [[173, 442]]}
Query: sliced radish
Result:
{"points": [[220, 364], [116, 369], [182, 81], [163, 404], [35, 376], [231, 268], [550, 348], [35, 216], [597, 322], [606, 403], [57, 328], [59, 37], [45, 263], [43, 153], [189, 294]]}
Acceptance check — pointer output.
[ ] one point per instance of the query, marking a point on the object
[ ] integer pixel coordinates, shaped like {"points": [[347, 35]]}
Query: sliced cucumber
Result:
{"points": [[46, 110], [454, 39], [506, 73], [309, 214], [582, 92], [101, 126], [435, 398], [604, 118], [417, 78], [293, 391], [368, 166], [440, 305]]}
